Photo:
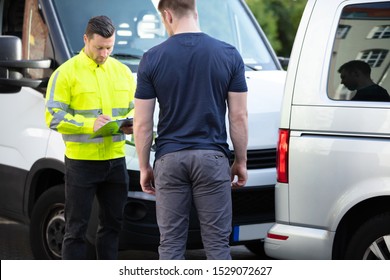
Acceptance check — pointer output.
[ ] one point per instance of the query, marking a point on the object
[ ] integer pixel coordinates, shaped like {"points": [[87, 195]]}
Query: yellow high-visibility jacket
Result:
{"points": [[78, 91]]}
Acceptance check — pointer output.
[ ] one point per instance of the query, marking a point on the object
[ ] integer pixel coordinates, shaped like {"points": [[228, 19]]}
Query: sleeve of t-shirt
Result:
{"points": [[145, 88], [238, 81]]}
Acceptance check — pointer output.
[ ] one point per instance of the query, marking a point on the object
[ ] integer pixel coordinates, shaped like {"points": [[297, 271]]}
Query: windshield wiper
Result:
{"points": [[126, 55], [254, 68], [251, 67]]}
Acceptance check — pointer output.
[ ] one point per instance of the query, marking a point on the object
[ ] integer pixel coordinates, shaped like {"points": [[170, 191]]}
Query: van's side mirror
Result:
{"points": [[13, 68]]}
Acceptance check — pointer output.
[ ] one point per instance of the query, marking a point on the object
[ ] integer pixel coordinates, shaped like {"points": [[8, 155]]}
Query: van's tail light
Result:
{"points": [[282, 156]]}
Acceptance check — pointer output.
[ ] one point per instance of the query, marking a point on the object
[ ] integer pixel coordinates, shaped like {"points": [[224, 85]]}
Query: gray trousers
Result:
{"points": [[201, 177]]}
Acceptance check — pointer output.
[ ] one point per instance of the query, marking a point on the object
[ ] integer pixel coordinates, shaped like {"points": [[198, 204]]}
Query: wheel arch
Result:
{"points": [[354, 218], [44, 174]]}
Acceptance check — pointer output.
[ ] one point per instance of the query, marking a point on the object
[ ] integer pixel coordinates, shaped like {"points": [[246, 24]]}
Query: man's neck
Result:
{"points": [[365, 83], [186, 26]]}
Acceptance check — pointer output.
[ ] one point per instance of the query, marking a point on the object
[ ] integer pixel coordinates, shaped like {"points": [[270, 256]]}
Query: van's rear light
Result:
{"points": [[282, 156], [277, 236]]}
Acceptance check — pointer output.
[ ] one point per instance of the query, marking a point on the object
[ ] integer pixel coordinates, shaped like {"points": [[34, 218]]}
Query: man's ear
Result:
{"points": [[168, 16], [85, 37]]}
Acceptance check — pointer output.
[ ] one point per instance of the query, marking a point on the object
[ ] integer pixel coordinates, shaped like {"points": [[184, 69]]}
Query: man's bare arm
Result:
{"points": [[143, 136], [238, 124]]}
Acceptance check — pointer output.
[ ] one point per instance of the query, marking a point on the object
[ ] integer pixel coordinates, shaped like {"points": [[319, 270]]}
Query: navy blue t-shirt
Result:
{"points": [[191, 74], [372, 93]]}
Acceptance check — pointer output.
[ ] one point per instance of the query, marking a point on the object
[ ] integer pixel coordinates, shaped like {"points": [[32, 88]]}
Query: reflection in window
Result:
{"points": [[123, 33], [363, 33], [380, 32], [150, 27], [342, 31], [373, 57]]}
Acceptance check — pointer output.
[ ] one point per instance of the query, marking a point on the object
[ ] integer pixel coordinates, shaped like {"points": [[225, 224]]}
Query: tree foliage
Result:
{"points": [[279, 20]]}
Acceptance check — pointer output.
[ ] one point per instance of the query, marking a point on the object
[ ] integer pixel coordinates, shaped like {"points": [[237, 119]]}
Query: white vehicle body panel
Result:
{"points": [[339, 151]]}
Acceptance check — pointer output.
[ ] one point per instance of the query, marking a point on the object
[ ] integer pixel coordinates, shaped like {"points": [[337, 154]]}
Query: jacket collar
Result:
{"points": [[88, 61]]}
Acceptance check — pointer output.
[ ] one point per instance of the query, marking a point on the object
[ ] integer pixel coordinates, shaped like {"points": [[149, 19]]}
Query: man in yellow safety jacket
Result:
{"points": [[83, 94]]}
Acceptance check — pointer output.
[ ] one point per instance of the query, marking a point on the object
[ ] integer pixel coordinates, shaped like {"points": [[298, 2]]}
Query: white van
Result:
{"points": [[38, 35], [333, 190]]}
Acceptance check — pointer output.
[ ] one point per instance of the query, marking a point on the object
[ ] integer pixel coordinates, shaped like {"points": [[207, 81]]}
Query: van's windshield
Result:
{"points": [[139, 27]]}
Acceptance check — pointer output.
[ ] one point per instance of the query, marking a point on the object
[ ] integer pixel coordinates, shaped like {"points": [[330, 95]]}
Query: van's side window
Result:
{"points": [[360, 66], [37, 39]]}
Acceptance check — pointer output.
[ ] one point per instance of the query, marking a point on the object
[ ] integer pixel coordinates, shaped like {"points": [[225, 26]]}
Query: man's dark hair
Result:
{"points": [[358, 65], [180, 7], [101, 25]]}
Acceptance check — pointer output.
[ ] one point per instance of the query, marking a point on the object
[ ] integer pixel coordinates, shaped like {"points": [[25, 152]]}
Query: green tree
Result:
{"points": [[279, 20]]}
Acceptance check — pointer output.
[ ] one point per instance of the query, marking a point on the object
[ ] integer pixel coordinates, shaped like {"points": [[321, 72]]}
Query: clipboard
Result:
{"points": [[112, 128]]}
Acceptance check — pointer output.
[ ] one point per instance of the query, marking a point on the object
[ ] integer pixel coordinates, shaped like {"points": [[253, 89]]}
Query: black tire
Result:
{"points": [[47, 225], [372, 240], [257, 248]]}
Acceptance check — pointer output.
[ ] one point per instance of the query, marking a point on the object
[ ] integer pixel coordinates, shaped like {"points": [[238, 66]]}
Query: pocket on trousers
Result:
{"points": [[162, 163], [214, 160]]}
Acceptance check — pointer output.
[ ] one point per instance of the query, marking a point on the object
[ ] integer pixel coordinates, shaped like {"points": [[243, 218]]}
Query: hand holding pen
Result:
{"points": [[100, 121]]}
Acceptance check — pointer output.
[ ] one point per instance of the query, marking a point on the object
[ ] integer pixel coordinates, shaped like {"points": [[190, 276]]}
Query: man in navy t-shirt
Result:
{"points": [[195, 79]]}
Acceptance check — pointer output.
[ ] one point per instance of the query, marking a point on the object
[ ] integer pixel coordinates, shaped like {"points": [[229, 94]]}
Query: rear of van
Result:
{"points": [[333, 191]]}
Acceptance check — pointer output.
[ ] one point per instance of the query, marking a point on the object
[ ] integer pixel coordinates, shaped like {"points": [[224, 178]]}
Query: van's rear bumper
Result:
{"points": [[301, 243]]}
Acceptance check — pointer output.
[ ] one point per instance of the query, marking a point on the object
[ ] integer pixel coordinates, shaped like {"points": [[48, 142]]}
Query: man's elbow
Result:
{"points": [[241, 117]]}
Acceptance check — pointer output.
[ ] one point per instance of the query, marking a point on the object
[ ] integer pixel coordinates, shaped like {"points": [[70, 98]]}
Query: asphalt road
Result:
{"points": [[14, 245]]}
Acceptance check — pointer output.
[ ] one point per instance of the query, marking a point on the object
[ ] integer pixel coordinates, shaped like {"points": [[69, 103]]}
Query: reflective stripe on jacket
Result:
{"points": [[78, 91]]}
